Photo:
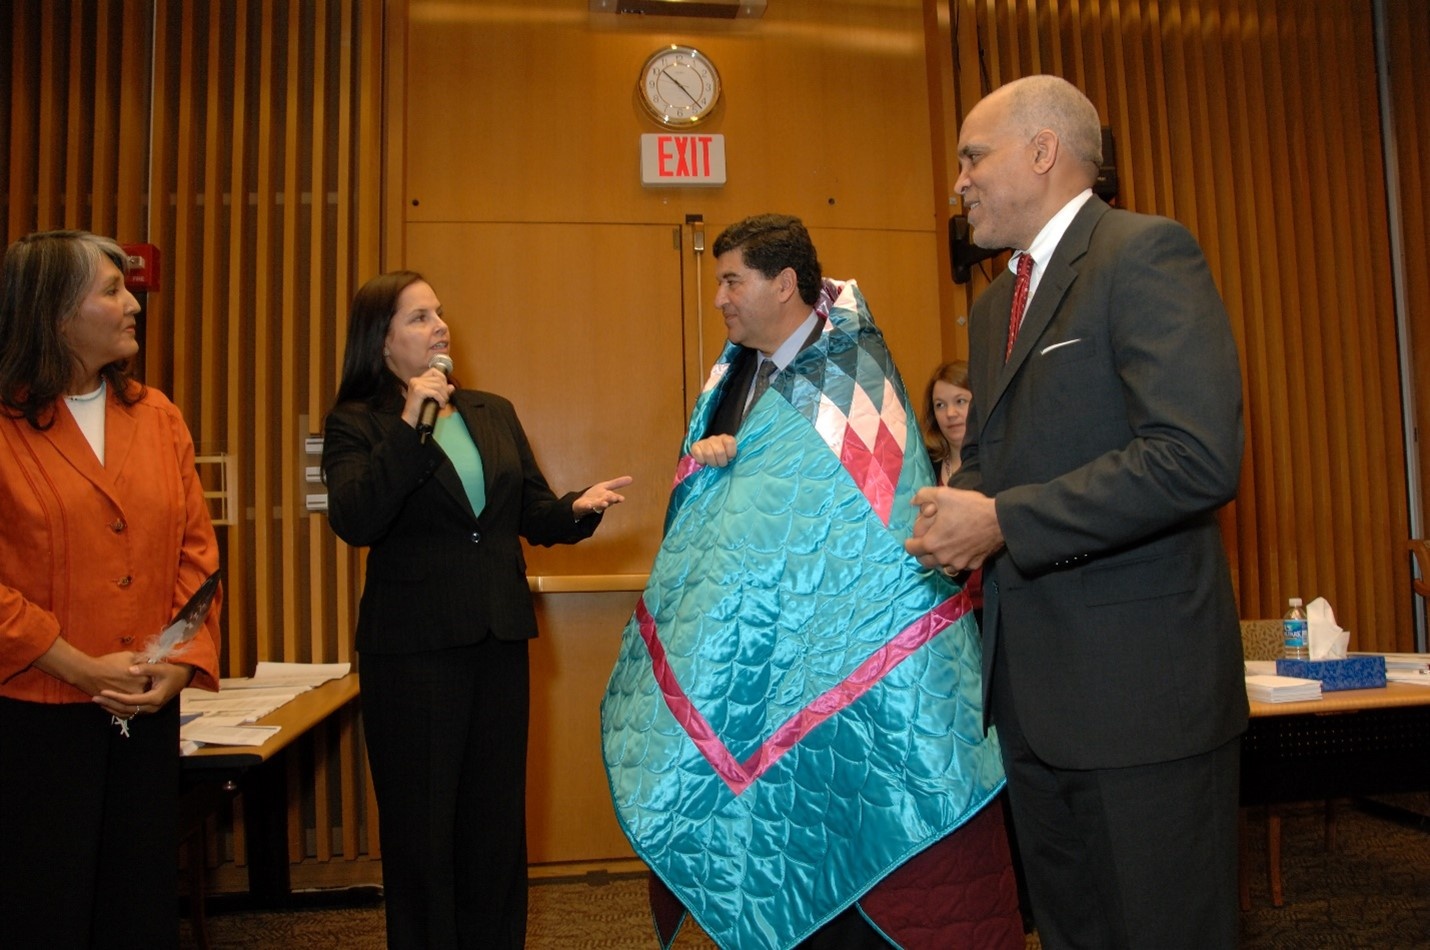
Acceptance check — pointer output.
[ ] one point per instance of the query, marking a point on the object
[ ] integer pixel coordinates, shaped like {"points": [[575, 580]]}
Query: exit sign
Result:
{"points": [[669, 158]]}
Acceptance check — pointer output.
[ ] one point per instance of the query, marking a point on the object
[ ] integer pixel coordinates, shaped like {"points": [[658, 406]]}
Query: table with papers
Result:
{"points": [[230, 716], [1347, 743], [212, 770], [1263, 684]]}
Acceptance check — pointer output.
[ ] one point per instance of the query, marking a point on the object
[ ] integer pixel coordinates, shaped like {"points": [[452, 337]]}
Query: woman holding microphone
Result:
{"points": [[445, 614]]}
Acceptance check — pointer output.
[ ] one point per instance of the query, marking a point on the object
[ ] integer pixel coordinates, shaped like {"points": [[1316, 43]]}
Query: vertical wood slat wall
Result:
{"points": [[1409, 77], [1256, 123], [236, 137]]}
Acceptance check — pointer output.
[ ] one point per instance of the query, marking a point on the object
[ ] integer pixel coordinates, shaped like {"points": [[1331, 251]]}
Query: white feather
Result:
{"points": [[186, 624]]}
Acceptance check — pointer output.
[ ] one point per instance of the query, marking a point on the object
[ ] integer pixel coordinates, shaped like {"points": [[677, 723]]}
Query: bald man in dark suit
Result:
{"points": [[1105, 434]]}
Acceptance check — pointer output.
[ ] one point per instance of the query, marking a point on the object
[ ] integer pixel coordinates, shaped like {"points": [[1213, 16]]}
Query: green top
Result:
{"points": [[451, 433]]}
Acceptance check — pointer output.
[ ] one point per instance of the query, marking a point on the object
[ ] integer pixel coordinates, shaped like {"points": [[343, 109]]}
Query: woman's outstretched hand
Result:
{"points": [[600, 496]]}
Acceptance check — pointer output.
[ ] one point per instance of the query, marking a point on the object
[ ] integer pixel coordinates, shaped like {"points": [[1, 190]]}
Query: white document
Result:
{"points": [[246, 705], [225, 717], [209, 733], [1281, 689], [269, 674], [1413, 677], [1401, 661]]}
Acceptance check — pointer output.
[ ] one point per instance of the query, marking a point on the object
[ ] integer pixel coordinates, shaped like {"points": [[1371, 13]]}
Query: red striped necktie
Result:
{"points": [[1020, 301]]}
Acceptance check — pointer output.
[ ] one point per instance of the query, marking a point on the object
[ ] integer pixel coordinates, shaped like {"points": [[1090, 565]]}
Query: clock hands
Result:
{"points": [[665, 71], [680, 68]]}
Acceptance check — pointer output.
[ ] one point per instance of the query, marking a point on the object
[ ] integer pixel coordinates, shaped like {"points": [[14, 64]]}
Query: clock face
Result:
{"points": [[679, 86]]}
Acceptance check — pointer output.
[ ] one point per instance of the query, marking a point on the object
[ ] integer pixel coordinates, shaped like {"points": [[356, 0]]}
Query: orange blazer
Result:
{"points": [[100, 555]]}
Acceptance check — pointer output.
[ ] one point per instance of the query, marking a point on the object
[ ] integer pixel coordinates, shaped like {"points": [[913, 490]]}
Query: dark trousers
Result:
{"points": [[446, 739], [1137, 857], [89, 833]]}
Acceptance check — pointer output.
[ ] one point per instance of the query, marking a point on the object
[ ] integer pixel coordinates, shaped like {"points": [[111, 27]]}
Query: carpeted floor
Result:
{"points": [[1373, 891]]}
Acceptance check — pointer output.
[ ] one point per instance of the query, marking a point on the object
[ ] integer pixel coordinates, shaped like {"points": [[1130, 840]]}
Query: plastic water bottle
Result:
{"points": [[1293, 632]]}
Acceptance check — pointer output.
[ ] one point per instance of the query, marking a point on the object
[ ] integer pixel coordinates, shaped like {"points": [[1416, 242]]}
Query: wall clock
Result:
{"points": [[679, 86]]}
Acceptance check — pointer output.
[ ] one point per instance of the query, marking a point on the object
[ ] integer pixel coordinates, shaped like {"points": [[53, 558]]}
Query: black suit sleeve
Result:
{"points": [[372, 463], [730, 410]]}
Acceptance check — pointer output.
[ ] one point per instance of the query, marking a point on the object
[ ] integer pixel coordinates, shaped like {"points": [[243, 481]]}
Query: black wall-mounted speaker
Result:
{"points": [[962, 252], [1106, 185]]}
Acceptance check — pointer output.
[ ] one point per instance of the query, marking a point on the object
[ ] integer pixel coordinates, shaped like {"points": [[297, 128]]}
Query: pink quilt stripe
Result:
{"points": [[888, 459], [889, 454], [695, 725], [684, 469], [865, 677], [862, 466]]}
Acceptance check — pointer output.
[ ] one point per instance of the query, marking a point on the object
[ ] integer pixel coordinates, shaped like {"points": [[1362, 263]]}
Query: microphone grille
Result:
{"points": [[441, 361]]}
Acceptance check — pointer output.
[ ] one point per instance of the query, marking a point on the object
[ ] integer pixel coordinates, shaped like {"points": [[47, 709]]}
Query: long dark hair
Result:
{"points": [[955, 373], [43, 281], [366, 377]]}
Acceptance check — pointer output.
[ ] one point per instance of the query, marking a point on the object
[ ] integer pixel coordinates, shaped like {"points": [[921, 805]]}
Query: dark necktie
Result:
{"points": [[762, 382], [1020, 302]]}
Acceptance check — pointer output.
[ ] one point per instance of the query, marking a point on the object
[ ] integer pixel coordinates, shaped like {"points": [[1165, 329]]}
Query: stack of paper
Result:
{"points": [[1400, 661], [1281, 689], [228, 716], [1405, 667], [300, 676]]}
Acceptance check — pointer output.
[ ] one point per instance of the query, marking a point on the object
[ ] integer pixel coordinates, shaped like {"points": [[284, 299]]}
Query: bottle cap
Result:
{"points": [[1295, 602]]}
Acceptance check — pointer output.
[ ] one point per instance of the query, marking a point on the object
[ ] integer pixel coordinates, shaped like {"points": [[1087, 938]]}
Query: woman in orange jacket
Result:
{"points": [[104, 536]]}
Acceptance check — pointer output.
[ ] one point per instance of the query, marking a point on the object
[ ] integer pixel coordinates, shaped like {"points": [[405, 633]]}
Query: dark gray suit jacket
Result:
{"points": [[437, 575], [1109, 440]]}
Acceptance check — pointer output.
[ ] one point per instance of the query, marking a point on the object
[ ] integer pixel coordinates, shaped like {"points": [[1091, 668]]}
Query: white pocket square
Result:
{"points": [[1048, 349]]}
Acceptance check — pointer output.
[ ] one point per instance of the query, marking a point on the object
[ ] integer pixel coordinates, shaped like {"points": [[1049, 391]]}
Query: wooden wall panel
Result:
{"points": [[519, 112], [597, 385], [74, 116], [1209, 107], [943, 143], [569, 814], [1409, 70], [230, 136], [52, 62]]}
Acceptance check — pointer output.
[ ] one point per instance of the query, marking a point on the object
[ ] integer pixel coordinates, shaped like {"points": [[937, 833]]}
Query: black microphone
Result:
{"points": [[427, 416]]}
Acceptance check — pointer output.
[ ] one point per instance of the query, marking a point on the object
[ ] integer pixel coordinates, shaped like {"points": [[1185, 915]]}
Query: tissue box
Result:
{"points": [[1353, 672]]}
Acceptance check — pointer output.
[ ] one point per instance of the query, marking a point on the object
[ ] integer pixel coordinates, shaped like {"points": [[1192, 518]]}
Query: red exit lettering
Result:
{"points": [[684, 156]]}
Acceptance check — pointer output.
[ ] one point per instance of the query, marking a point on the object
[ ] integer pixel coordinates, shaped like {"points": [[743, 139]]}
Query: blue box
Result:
{"points": [[1353, 672]]}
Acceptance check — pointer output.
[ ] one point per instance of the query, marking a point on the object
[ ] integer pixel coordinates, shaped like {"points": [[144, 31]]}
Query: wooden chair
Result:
{"points": [[1261, 640]]}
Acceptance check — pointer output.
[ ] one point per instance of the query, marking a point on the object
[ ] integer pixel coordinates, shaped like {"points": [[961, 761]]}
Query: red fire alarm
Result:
{"points": [[142, 271]]}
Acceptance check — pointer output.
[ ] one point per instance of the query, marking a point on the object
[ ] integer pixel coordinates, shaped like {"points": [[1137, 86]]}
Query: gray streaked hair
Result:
{"points": [[44, 278]]}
